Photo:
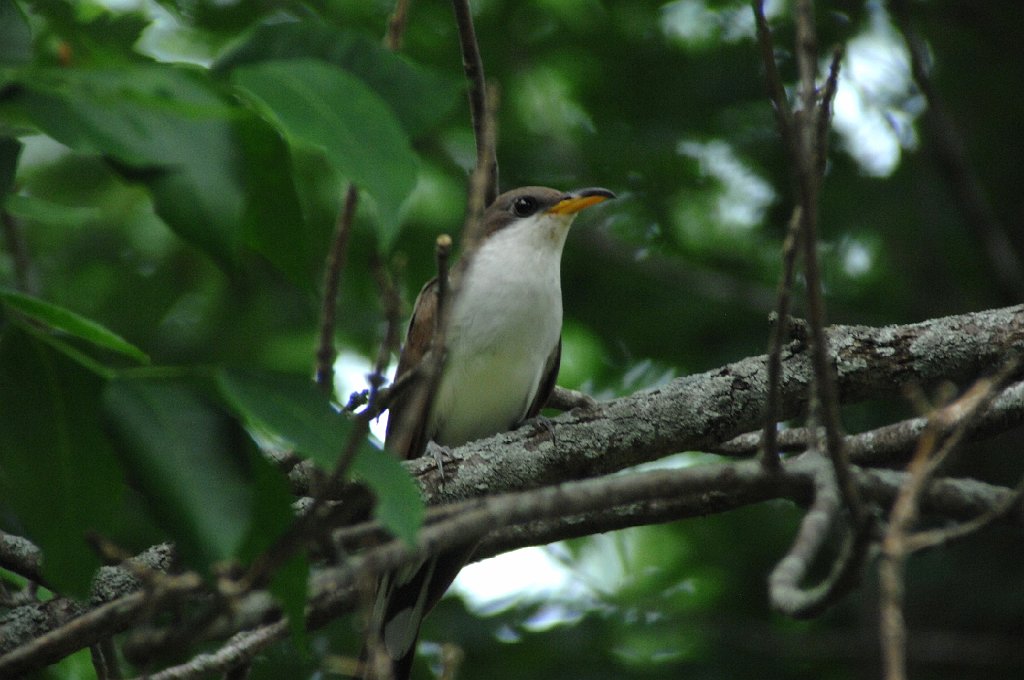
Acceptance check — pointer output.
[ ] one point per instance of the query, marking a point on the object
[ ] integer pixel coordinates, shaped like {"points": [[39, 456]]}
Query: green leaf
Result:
{"points": [[293, 410], [61, 319], [274, 221], [399, 504], [160, 126], [15, 35], [272, 516], [288, 407], [218, 176], [420, 98], [58, 475], [192, 464], [92, 37], [319, 105]]}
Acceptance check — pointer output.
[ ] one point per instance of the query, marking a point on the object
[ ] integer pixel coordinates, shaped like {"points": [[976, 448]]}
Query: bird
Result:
{"points": [[502, 352]]}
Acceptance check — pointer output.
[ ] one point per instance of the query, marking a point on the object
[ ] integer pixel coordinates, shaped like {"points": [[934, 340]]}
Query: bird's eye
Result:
{"points": [[524, 206]]}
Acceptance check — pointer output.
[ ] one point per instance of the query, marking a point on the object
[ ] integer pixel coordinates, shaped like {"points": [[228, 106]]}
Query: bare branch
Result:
{"points": [[481, 111], [92, 626], [237, 651], [769, 451], [889, 444], [776, 91], [784, 583], [896, 547], [326, 352]]}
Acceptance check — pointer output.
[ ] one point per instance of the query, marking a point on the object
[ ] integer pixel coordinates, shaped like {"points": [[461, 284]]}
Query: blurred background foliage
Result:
{"points": [[173, 169]]}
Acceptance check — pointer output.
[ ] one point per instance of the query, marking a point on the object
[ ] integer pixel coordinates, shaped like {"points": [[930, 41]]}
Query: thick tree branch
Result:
{"points": [[511, 521], [700, 411]]}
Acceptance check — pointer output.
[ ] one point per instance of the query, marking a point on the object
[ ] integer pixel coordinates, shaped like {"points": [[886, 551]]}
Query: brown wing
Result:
{"points": [[547, 382], [407, 434]]}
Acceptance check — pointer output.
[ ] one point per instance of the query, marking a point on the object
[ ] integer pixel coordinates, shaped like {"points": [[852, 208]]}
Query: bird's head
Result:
{"points": [[540, 210]]}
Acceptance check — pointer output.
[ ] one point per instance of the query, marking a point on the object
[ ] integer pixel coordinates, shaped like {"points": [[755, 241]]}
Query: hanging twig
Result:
{"points": [[787, 594]]}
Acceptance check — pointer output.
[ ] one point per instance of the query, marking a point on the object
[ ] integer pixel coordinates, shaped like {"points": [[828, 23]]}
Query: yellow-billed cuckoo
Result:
{"points": [[503, 345]]}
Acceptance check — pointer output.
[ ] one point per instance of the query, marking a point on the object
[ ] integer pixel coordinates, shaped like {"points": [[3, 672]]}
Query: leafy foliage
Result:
{"points": [[171, 176]]}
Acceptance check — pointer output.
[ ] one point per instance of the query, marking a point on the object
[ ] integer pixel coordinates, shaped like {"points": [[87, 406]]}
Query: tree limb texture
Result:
{"points": [[698, 412], [690, 413]]}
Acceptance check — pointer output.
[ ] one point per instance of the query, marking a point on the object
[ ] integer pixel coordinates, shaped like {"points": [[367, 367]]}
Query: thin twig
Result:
{"points": [[769, 450], [99, 663], [94, 625], [896, 546], [423, 379], [391, 301], [890, 444], [961, 174], [326, 352], [936, 537], [239, 650], [481, 181], [809, 153], [480, 111], [109, 651], [824, 114], [442, 255], [776, 90], [396, 25]]}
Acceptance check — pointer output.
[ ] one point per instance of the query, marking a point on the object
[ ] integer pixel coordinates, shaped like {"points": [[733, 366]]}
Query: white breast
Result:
{"points": [[505, 323]]}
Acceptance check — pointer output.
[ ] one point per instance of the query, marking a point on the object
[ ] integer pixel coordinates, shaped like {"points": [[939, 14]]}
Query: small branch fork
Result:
{"points": [[805, 136], [900, 541]]}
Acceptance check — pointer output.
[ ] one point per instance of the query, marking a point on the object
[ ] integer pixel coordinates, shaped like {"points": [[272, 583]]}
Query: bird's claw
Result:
{"points": [[437, 452]]}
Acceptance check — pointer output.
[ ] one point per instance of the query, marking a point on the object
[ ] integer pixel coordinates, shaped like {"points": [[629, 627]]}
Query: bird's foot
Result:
{"points": [[542, 423], [437, 452]]}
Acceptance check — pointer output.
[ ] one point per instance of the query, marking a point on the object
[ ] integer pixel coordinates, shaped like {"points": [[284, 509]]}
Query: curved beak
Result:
{"points": [[575, 201]]}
